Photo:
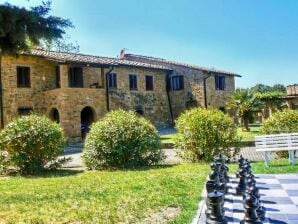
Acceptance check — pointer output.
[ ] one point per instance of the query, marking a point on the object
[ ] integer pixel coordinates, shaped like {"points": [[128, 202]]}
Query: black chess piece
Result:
{"points": [[241, 188], [254, 190], [215, 200], [240, 164], [224, 169], [250, 207]]}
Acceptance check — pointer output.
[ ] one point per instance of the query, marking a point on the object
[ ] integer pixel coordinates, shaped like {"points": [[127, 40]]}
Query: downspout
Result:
{"points": [[168, 96], [205, 88], [107, 88], [1, 95]]}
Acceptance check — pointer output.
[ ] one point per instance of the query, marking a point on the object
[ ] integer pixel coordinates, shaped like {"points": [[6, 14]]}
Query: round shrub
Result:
{"points": [[122, 139], [29, 143], [285, 121], [204, 133]]}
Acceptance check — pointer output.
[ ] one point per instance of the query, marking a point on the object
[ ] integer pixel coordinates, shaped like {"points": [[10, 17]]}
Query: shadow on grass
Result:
{"points": [[54, 173]]}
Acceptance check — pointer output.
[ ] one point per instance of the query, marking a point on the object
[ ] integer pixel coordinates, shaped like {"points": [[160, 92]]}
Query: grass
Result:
{"points": [[275, 167], [70, 196], [248, 135], [102, 196], [167, 139], [245, 135]]}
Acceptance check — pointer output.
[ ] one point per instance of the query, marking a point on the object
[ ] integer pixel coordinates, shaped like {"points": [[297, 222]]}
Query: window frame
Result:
{"points": [[23, 76], [75, 80], [133, 82], [25, 110], [151, 86], [220, 82], [177, 82], [112, 80]]}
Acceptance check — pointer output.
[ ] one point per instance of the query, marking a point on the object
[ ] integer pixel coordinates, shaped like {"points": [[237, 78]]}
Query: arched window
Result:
{"points": [[54, 115]]}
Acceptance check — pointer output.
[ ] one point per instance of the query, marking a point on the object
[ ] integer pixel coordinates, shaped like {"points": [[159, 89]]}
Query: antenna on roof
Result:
{"points": [[122, 53]]}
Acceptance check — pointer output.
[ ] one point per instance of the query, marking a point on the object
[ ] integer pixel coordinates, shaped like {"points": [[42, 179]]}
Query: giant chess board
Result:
{"points": [[279, 195]]}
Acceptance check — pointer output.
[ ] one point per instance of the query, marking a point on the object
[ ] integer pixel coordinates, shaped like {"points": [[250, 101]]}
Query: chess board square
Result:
{"points": [[295, 200], [288, 181], [292, 192]]}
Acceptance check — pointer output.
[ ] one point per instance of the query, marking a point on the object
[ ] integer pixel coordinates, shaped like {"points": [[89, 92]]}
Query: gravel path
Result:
{"points": [[75, 152]]}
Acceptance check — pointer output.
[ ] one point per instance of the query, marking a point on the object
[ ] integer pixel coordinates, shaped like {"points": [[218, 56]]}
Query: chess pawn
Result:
{"points": [[215, 200], [250, 207], [240, 164], [241, 188], [253, 190]]}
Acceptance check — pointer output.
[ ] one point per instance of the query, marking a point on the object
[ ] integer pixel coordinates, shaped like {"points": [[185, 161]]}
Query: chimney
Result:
{"points": [[122, 53]]}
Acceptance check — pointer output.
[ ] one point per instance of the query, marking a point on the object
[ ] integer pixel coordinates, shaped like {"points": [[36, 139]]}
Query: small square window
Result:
{"points": [[149, 82], [25, 111], [23, 77]]}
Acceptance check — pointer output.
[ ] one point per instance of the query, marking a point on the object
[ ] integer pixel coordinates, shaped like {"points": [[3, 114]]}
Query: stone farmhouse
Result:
{"points": [[291, 100], [76, 89]]}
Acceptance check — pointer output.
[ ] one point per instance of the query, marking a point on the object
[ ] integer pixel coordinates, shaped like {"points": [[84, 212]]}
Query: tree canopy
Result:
{"points": [[21, 28]]}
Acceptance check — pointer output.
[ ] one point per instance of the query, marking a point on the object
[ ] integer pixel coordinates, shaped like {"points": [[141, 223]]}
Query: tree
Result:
{"points": [[21, 28], [245, 102], [279, 88], [261, 88], [272, 100]]}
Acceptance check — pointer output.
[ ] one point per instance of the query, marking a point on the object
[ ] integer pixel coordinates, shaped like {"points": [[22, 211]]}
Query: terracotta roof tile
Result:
{"points": [[65, 57], [169, 62]]}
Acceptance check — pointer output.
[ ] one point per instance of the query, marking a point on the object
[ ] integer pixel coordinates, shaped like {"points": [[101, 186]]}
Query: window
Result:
{"points": [[23, 77], [75, 77], [149, 82], [112, 80], [24, 111], [177, 82], [57, 74], [220, 83], [133, 85]]}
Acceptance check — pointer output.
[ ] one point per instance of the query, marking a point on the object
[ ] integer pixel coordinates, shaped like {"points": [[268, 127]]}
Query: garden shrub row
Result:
{"points": [[123, 139]]}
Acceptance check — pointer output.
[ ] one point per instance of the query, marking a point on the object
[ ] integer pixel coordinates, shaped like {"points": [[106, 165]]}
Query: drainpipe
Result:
{"points": [[205, 88], [168, 96], [1, 95], [107, 88]]}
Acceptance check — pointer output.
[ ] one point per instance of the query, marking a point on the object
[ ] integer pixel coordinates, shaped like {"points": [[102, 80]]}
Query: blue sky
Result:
{"points": [[256, 39]]}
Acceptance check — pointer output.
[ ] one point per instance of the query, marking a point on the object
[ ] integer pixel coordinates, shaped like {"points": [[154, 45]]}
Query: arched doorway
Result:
{"points": [[54, 115], [87, 118]]}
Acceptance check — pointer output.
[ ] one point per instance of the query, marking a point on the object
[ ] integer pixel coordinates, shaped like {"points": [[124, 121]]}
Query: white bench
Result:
{"points": [[278, 142]]}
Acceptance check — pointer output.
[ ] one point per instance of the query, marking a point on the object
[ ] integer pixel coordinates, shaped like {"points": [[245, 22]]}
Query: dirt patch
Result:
{"points": [[163, 215]]}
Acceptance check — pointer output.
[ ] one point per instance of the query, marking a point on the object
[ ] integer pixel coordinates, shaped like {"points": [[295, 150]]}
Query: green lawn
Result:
{"points": [[275, 167], [248, 135], [245, 135], [167, 139], [102, 196], [68, 196]]}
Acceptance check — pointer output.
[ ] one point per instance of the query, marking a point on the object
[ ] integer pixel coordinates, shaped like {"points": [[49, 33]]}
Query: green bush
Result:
{"points": [[29, 143], [204, 133], [122, 140], [285, 121]]}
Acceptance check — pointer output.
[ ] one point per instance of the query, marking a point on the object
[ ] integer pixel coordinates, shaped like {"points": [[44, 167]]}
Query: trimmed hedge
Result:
{"points": [[122, 139], [29, 143], [204, 133]]}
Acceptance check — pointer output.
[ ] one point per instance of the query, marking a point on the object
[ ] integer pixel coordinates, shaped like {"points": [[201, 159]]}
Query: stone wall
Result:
{"points": [[42, 76], [193, 92], [153, 104]]}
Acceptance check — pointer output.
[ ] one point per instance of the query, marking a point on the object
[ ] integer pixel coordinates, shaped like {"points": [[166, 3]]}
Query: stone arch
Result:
{"points": [[139, 110], [88, 116], [54, 115]]}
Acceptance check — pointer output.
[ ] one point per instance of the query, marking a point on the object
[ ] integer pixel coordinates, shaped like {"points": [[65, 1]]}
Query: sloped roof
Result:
{"points": [[65, 57], [169, 62]]}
